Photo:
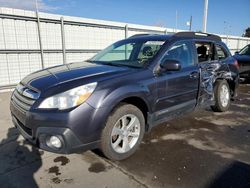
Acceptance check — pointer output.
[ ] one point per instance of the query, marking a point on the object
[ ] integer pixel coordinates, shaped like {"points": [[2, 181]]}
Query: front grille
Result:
{"points": [[24, 128], [24, 102]]}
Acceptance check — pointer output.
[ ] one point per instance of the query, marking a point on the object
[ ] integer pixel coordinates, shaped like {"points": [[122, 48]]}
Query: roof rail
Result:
{"points": [[198, 35], [143, 34]]}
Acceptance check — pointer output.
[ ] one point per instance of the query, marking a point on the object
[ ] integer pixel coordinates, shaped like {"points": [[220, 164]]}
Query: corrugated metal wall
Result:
{"points": [[64, 39]]}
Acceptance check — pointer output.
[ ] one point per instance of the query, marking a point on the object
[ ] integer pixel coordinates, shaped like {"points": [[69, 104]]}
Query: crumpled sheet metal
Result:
{"points": [[209, 73]]}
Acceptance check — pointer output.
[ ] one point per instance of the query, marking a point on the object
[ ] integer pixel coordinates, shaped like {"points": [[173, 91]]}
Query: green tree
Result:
{"points": [[247, 32]]}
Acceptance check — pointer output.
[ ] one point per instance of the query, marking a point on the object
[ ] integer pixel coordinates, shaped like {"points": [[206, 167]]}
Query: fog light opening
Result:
{"points": [[54, 141]]}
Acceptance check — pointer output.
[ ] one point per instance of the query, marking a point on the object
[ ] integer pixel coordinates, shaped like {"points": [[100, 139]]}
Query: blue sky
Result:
{"points": [[224, 16]]}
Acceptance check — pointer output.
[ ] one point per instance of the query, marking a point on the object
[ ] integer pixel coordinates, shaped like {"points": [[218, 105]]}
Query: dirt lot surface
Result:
{"points": [[202, 149]]}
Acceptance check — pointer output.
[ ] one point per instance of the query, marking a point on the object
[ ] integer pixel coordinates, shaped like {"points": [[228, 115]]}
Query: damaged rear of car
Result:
{"points": [[219, 75]]}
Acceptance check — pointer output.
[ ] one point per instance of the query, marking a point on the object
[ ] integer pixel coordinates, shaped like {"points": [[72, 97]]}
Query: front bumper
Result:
{"points": [[78, 129]]}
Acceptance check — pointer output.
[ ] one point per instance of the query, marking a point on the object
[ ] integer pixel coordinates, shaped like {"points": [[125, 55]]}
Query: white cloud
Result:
{"points": [[27, 4]]}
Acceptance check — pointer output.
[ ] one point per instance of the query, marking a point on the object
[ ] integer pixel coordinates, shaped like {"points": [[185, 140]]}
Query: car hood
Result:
{"points": [[242, 58], [83, 71]]}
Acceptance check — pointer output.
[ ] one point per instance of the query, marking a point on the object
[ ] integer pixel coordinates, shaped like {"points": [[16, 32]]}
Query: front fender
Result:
{"points": [[103, 98]]}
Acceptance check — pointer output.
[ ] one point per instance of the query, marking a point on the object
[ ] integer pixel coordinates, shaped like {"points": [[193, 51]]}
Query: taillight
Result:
{"points": [[236, 64]]}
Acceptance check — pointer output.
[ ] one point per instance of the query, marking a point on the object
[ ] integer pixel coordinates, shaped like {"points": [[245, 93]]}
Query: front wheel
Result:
{"points": [[123, 132], [221, 96]]}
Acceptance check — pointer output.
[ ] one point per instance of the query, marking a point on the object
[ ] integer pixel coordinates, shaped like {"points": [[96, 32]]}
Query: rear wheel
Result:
{"points": [[123, 132], [221, 96]]}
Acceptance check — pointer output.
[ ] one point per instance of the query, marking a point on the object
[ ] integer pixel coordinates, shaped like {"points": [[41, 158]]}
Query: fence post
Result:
{"points": [[238, 44], [126, 46], [40, 38], [7, 62], [126, 31], [63, 41]]}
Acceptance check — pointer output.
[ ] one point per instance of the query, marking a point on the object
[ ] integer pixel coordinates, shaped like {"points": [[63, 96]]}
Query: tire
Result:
{"points": [[222, 96], [117, 141]]}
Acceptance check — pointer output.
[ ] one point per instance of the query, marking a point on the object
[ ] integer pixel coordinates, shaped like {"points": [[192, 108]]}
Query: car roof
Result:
{"points": [[179, 35]]}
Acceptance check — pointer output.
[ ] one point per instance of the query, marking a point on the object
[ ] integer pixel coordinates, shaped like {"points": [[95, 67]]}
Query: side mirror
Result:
{"points": [[170, 65], [236, 52]]}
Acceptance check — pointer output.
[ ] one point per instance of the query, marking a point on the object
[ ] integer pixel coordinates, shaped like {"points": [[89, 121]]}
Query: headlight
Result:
{"points": [[70, 98]]}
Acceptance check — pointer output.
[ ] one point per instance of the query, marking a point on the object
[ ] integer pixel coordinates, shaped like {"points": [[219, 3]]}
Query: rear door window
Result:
{"points": [[205, 51], [221, 53]]}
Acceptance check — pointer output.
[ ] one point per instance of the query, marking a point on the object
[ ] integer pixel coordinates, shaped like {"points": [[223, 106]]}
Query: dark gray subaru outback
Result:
{"points": [[111, 100]]}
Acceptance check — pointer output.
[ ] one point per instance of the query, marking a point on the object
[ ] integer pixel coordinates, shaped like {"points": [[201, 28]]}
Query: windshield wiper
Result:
{"points": [[112, 64], [89, 60]]}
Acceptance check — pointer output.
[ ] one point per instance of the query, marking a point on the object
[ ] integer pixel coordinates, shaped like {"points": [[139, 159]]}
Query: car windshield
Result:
{"points": [[245, 50], [133, 53]]}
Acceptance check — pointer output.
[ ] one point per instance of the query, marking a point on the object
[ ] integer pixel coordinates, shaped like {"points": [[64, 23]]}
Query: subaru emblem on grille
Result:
{"points": [[30, 94]]}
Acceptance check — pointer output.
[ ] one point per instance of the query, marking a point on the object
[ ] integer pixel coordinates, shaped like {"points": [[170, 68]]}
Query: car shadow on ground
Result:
{"points": [[235, 175], [16, 154]]}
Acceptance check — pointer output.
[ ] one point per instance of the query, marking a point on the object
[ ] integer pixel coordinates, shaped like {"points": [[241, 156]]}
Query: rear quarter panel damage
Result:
{"points": [[209, 73]]}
